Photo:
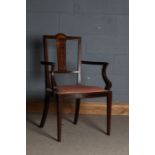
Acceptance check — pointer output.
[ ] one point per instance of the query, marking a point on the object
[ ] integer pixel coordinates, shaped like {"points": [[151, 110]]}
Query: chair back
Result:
{"points": [[60, 43]]}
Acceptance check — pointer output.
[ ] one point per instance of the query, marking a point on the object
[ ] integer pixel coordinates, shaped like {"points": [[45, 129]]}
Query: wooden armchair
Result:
{"points": [[76, 91]]}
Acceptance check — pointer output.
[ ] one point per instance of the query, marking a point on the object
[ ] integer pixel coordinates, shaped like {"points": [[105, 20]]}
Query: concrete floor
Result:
{"points": [[85, 138]]}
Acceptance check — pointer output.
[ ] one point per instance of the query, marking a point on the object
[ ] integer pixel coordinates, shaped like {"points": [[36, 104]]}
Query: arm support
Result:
{"points": [[104, 75], [49, 74]]}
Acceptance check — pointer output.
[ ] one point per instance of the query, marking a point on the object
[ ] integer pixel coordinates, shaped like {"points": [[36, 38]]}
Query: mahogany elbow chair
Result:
{"points": [[77, 91]]}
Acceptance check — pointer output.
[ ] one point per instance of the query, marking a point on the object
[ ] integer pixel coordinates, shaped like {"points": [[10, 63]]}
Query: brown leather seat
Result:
{"points": [[68, 89]]}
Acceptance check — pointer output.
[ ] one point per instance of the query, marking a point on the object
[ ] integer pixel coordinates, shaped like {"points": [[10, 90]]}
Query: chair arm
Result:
{"points": [[94, 63], [104, 74], [47, 63]]}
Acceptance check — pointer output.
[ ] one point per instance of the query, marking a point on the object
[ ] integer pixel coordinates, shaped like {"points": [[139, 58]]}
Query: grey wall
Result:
{"points": [[104, 27]]}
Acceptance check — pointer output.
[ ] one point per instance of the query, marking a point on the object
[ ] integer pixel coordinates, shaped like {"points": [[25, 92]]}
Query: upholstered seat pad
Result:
{"points": [[69, 89]]}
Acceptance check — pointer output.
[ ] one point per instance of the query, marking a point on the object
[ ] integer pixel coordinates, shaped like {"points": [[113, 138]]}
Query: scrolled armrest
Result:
{"points": [[47, 63], [93, 63], [104, 74]]}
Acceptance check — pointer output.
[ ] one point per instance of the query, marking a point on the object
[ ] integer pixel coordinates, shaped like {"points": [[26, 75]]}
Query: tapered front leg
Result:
{"points": [[59, 117], [77, 108], [109, 106], [45, 110]]}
